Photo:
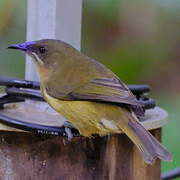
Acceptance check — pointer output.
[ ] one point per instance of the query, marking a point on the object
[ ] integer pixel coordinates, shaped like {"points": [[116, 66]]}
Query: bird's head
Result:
{"points": [[47, 52], [49, 55]]}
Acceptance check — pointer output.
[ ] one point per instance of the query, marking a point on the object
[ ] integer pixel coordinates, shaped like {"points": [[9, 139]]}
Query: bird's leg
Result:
{"points": [[68, 126]]}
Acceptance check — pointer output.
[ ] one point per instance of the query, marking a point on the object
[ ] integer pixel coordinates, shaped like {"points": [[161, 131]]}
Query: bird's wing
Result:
{"points": [[105, 89], [99, 89]]}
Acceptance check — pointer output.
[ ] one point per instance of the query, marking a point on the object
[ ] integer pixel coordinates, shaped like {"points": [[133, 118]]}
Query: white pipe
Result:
{"points": [[58, 19]]}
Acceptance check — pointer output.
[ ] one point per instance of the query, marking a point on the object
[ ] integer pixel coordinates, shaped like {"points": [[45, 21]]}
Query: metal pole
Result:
{"points": [[57, 19]]}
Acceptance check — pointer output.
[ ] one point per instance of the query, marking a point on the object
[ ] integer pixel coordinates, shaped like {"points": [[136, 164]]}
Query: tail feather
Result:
{"points": [[147, 144]]}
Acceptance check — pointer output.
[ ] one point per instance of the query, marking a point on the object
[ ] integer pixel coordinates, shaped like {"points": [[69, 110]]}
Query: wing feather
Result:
{"points": [[99, 89], [105, 89]]}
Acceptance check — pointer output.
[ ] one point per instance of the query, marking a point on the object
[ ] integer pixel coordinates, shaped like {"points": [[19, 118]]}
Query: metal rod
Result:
{"points": [[171, 174], [57, 19]]}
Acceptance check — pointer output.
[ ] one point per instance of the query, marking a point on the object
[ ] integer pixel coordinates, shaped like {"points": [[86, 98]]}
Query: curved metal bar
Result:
{"points": [[25, 93], [35, 128], [9, 99], [20, 83], [34, 94], [148, 103], [175, 173], [139, 89]]}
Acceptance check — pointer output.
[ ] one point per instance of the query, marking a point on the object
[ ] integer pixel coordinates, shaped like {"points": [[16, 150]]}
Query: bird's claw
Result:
{"points": [[68, 126], [69, 133]]}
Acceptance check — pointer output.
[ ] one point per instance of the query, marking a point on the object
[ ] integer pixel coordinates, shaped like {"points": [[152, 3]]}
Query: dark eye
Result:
{"points": [[42, 50]]}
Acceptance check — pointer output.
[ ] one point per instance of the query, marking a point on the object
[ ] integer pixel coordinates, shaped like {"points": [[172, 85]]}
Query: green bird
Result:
{"points": [[89, 95]]}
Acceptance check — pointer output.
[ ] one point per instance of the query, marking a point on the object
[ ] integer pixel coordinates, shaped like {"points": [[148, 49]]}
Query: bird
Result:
{"points": [[89, 95]]}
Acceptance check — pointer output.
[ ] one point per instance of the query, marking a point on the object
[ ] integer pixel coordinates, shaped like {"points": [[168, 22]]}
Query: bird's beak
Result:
{"points": [[22, 47]]}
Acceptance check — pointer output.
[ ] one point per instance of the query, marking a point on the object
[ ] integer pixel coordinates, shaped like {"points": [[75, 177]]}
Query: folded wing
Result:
{"points": [[100, 89]]}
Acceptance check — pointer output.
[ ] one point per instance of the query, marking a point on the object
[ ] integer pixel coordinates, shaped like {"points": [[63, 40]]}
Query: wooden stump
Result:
{"points": [[26, 156]]}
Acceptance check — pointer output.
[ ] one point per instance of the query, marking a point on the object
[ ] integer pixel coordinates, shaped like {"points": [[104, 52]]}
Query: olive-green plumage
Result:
{"points": [[89, 95]]}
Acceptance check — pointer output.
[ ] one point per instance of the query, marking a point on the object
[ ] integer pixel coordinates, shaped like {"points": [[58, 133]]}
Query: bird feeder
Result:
{"points": [[33, 137]]}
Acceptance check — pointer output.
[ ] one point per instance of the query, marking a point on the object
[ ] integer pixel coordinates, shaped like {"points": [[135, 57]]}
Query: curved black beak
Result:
{"points": [[22, 47]]}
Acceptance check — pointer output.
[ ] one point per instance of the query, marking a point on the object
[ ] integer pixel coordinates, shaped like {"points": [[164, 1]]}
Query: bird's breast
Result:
{"points": [[89, 117]]}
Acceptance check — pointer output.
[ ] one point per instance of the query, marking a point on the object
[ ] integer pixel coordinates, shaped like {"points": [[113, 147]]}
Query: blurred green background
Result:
{"points": [[139, 40]]}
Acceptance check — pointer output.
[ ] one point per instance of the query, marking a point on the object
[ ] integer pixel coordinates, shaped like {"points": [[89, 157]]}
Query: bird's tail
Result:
{"points": [[146, 143]]}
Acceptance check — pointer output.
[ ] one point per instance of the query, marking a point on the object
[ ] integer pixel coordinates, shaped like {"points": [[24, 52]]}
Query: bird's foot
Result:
{"points": [[68, 126]]}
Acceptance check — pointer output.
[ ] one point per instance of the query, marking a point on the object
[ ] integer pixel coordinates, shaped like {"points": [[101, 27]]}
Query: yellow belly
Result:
{"points": [[90, 117]]}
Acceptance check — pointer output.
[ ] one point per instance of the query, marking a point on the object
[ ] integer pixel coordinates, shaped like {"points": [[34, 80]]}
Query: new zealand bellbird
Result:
{"points": [[89, 95]]}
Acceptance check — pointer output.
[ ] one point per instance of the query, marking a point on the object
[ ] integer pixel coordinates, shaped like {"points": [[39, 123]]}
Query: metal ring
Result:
{"points": [[20, 83], [34, 94], [35, 128]]}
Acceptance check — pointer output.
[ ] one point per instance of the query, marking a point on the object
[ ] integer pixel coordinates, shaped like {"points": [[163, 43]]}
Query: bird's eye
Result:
{"points": [[42, 50]]}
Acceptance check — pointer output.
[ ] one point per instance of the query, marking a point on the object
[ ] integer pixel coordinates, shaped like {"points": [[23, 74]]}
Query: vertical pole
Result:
{"points": [[56, 19]]}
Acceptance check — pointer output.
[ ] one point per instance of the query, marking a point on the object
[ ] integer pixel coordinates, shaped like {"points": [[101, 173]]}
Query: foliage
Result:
{"points": [[12, 30]]}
